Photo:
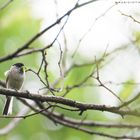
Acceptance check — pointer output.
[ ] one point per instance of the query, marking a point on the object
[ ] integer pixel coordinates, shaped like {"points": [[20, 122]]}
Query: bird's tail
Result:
{"points": [[8, 106]]}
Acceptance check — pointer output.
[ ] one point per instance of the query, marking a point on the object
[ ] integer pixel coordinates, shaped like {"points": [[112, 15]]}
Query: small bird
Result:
{"points": [[15, 78]]}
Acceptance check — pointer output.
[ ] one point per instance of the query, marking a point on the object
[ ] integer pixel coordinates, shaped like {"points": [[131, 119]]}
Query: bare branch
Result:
{"points": [[62, 121], [6, 5], [102, 85], [14, 122], [131, 17], [26, 45], [68, 102]]}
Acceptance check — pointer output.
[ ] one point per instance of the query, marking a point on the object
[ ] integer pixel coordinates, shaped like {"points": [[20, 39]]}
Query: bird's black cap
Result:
{"points": [[18, 65]]}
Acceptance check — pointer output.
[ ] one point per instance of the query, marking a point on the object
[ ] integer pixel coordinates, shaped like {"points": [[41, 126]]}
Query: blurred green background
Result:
{"points": [[17, 26]]}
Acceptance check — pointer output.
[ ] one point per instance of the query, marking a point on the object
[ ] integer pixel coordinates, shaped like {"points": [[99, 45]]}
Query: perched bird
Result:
{"points": [[15, 78]]}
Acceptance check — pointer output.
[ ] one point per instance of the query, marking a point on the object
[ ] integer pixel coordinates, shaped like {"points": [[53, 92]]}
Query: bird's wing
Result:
{"points": [[7, 75]]}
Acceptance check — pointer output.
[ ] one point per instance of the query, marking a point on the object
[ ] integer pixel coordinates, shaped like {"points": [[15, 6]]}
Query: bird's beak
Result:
{"points": [[24, 69]]}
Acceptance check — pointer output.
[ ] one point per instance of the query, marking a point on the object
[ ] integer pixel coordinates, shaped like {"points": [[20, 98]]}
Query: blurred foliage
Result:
{"points": [[17, 26], [127, 90], [137, 38]]}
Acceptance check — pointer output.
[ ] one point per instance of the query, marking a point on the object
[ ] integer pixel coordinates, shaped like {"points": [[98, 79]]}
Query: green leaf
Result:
{"points": [[127, 89]]}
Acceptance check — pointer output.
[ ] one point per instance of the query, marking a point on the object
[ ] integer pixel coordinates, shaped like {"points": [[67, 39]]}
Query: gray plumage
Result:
{"points": [[15, 77]]}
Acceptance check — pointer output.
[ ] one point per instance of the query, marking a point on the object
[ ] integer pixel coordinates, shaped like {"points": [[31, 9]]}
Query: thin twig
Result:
{"points": [[6, 5], [102, 85]]}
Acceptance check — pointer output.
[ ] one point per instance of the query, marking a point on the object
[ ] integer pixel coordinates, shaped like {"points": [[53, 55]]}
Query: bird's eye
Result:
{"points": [[22, 69]]}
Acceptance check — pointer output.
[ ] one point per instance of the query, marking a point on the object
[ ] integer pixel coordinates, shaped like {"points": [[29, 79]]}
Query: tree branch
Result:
{"points": [[26, 45], [62, 121], [68, 102], [6, 5]]}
